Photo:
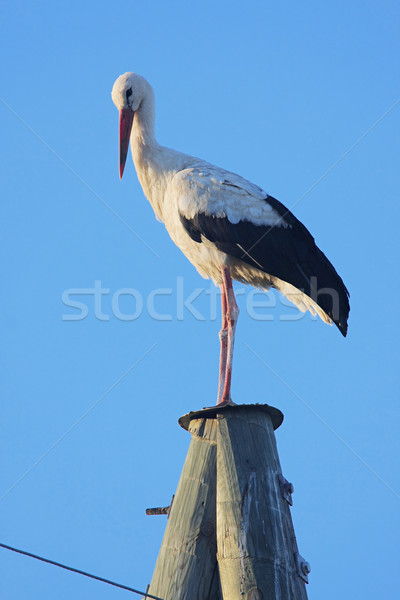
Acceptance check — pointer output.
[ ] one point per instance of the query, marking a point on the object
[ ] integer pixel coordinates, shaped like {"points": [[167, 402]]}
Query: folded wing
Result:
{"points": [[244, 222]]}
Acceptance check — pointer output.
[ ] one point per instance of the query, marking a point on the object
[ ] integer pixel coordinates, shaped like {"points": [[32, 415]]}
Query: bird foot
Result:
{"points": [[228, 402]]}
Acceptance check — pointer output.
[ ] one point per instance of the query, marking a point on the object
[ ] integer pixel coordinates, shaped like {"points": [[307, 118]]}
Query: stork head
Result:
{"points": [[127, 94]]}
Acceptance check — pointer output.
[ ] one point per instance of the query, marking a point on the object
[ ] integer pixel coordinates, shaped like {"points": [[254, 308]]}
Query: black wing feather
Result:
{"points": [[288, 253]]}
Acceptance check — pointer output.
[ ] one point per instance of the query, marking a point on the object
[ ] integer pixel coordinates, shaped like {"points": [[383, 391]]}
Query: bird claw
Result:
{"points": [[228, 402]]}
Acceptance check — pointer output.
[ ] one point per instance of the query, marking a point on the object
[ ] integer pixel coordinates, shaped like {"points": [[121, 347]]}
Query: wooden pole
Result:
{"points": [[257, 551], [186, 567], [231, 506]]}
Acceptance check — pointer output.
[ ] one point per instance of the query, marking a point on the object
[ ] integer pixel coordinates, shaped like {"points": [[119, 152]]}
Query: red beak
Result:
{"points": [[125, 125]]}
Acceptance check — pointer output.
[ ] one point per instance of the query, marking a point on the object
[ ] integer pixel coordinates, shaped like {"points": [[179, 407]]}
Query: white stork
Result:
{"points": [[226, 226]]}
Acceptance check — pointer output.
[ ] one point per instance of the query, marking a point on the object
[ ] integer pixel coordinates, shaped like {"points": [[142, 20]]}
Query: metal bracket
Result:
{"points": [[147, 589], [161, 510], [303, 567], [287, 489]]}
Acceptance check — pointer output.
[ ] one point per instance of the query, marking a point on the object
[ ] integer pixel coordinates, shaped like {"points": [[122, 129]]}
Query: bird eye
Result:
{"points": [[128, 93]]}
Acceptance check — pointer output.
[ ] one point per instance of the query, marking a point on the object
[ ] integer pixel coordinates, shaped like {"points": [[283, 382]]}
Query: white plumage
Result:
{"points": [[225, 225]]}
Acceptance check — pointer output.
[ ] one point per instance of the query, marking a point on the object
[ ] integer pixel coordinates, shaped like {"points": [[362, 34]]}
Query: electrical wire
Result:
{"points": [[57, 564]]}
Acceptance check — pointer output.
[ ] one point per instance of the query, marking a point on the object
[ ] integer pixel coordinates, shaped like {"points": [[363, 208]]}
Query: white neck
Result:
{"points": [[155, 165], [146, 150], [143, 123]]}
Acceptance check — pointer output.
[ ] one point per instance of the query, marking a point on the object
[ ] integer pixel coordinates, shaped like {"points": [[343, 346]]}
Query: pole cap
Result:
{"points": [[212, 412]]}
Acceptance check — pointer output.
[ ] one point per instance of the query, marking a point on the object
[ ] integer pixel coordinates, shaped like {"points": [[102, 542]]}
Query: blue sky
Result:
{"points": [[275, 92]]}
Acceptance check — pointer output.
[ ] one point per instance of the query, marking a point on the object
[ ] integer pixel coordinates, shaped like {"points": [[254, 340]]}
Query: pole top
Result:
{"points": [[212, 412]]}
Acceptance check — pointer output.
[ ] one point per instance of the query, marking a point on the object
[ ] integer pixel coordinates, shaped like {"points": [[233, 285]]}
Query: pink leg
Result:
{"points": [[223, 336], [232, 314]]}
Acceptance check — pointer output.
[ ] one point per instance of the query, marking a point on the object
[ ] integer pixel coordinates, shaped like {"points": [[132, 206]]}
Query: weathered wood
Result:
{"points": [[257, 551], [186, 567]]}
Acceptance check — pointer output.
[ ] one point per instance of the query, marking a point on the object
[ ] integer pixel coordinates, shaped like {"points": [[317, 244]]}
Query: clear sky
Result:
{"points": [[297, 97]]}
